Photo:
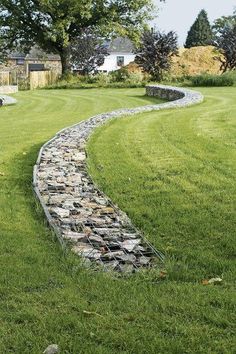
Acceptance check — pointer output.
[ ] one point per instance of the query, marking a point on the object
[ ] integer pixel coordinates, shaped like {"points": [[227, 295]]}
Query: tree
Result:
{"points": [[226, 43], [200, 33], [224, 29], [155, 52], [54, 24], [88, 51], [222, 22]]}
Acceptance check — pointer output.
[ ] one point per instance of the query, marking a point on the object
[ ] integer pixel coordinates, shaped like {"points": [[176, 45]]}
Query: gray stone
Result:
{"points": [[96, 240], [75, 236], [51, 349], [112, 255], [144, 260], [129, 245], [127, 258], [60, 212]]}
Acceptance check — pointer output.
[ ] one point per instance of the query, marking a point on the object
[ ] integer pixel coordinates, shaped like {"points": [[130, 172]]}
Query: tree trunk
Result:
{"points": [[65, 60]]}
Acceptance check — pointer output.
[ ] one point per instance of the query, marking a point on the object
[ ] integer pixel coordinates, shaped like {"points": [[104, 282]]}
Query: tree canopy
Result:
{"points": [[88, 52], [223, 22], [155, 52], [200, 33], [54, 24], [225, 40]]}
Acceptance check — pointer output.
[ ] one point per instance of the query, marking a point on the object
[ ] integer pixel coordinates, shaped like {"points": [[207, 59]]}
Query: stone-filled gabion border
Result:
{"points": [[80, 214], [7, 100]]}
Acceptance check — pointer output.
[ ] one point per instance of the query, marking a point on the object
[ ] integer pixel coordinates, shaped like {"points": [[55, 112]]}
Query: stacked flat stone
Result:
{"points": [[81, 215], [7, 100]]}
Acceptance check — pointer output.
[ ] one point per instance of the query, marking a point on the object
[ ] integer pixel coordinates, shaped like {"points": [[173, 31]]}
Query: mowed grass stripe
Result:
{"points": [[175, 181], [44, 292]]}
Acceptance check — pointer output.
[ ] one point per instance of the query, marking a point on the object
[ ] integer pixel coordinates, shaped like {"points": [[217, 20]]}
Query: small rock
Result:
{"points": [[130, 245], [127, 258], [107, 211], [112, 255], [75, 236], [101, 201], [127, 236], [51, 349], [60, 212], [83, 249], [94, 254], [144, 260], [96, 240]]}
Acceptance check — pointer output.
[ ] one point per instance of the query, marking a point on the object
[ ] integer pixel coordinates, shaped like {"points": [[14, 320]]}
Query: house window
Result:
{"points": [[120, 61], [20, 61], [36, 67]]}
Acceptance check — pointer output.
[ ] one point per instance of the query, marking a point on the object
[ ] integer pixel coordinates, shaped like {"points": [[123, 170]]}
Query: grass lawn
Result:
{"points": [[173, 173]]}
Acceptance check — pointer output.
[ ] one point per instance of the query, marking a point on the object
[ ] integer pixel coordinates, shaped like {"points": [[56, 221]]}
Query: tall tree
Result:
{"points": [[200, 33], [224, 29], [223, 22], [155, 52], [226, 43], [54, 24], [88, 52]]}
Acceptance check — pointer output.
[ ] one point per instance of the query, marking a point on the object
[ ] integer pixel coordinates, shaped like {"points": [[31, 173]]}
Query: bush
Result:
{"points": [[120, 78], [23, 84], [212, 80]]}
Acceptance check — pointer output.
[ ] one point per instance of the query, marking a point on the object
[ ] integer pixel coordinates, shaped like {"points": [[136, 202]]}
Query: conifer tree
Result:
{"points": [[200, 33]]}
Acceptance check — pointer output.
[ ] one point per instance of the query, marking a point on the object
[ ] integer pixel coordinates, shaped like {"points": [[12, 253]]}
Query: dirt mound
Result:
{"points": [[195, 61]]}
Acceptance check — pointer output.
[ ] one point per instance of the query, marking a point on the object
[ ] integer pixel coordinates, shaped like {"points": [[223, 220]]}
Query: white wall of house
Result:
{"points": [[110, 63]]}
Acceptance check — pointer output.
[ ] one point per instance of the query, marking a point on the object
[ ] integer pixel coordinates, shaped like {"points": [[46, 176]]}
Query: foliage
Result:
{"points": [[200, 33], [53, 25], [124, 77], [212, 80], [3, 51], [88, 52], [155, 52], [225, 41], [126, 73], [222, 22]]}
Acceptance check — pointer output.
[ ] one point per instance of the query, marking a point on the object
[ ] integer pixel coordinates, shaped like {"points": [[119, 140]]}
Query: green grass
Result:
{"points": [[173, 173]]}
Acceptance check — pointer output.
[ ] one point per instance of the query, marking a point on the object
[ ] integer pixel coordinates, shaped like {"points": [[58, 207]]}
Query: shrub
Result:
{"points": [[23, 84], [212, 80], [120, 75], [102, 79], [120, 78]]}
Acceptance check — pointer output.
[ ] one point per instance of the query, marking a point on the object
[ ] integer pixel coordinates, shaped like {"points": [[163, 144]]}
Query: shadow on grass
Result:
{"points": [[153, 100]]}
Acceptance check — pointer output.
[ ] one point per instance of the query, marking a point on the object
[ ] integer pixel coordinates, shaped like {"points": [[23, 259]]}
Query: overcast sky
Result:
{"points": [[179, 15]]}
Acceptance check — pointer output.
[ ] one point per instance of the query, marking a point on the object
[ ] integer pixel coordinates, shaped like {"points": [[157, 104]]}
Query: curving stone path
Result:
{"points": [[7, 100], [80, 214]]}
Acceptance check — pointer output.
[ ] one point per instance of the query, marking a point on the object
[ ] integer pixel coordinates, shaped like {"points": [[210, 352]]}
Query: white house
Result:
{"points": [[120, 54]]}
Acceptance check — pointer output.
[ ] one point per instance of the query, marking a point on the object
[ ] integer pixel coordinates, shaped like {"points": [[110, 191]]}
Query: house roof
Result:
{"points": [[121, 45], [117, 45], [34, 54]]}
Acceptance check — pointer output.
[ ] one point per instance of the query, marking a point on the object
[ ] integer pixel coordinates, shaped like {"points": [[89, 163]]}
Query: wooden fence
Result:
{"points": [[4, 78], [42, 78]]}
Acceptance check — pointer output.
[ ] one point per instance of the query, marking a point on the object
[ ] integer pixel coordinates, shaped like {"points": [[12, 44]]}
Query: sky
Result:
{"points": [[179, 15]]}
